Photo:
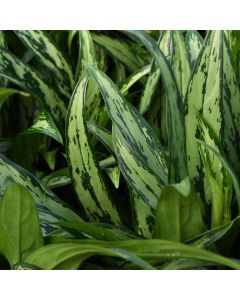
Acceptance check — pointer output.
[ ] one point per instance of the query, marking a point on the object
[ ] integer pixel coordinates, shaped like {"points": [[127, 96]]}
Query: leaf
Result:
{"points": [[107, 162], [214, 92], [50, 157], [45, 125], [194, 43], [86, 175], [71, 255], [133, 78], [24, 76], [179, 213], [98, 231], [58, 178], [114, 175], [102, 134], [229, 169], [233, 38], [143, 215], [7, 92], [219, 179], [50, 56], [177, 169], [205, 239], [136, 145], [20, 232], [50, 208], [95, 110], [120, 50]]}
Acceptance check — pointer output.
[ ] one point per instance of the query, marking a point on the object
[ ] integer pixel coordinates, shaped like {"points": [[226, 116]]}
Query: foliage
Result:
{"points": [[119, 149]]}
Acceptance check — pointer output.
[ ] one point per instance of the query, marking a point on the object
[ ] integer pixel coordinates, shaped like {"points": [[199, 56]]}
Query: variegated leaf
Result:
{"points": [[50, 207], [45, 124], [176, 131], [143, 215], [194, 43], [119, 50], [219, 179], [86, 174], [136, 145], [213, 91], [50, 56], [133, 78], [24, 76]]}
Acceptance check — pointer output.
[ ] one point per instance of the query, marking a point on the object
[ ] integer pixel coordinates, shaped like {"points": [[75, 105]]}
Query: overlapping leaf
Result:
{"points": [[136, 145], [87, 178]]}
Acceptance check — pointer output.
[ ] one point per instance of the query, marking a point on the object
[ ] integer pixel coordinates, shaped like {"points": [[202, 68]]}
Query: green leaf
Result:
{"points": [[177, 150], [134, 141], [58, 178], [233, 38], [102, 134], [133, 78], [20, 232], [71, 255], [214, 92], [194, 43], [120, 50], [50, 157], [50, 56], [229, 169], [50, 207], [205, 239], [98, 231], [179, 213], [219, 179], [7, 92], [87, 178], [143, 215], [114, 174], [24, 76], [45, 124]]}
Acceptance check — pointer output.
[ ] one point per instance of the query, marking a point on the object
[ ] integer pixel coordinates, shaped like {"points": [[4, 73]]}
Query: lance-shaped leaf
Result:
{"points": [[87, 178], [50, 208], [213, 90], [50, 56], [136, 145], [209, 237], [177, 149], [120, 50], [45, 124], [171, 43], [219, 179], [71, 255], [194, 43], [24, 76], [95, 110], [229, 169], [99, 231], [20, 232], [133, 78]]}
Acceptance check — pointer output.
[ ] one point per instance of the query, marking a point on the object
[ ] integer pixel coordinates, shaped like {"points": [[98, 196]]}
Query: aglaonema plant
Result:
{"points": [[119, 150]]}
